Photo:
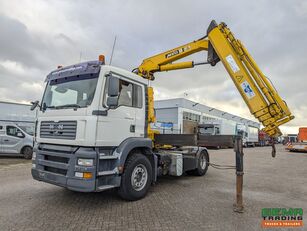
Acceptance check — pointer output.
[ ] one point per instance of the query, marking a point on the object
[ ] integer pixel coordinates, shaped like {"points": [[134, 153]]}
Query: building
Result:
{"points": [[17, 113], [180, 115]]}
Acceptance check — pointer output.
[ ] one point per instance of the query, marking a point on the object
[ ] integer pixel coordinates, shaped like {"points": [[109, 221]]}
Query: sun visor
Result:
{"points": [[90, 67]]}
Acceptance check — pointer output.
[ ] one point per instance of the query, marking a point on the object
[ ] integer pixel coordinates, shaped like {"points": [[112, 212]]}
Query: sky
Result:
{"points": [[36, 36]]}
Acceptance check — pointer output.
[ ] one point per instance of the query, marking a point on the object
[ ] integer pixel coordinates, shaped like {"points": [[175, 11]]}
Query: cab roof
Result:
{"points": [[89, 67]]}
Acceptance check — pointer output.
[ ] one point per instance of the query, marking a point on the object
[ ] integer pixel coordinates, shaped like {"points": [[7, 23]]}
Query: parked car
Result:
{"points": [[15, 140]]}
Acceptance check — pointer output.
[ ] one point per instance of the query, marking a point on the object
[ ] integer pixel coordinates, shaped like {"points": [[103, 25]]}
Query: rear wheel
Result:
{"points": [[202, 166], [27, 152], [137, 177]]}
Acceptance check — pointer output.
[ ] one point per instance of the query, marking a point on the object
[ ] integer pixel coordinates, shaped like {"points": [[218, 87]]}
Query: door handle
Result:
{"points": [[132, 128], [6, 140]]}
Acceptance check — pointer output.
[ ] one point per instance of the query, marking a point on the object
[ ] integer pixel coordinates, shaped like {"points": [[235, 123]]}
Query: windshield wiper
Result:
{"points": [[49, 107], [67, 106], [74, 106]]}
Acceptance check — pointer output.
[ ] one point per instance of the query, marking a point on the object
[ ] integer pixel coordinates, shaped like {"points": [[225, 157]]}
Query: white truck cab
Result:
{"points": [[80, 101], [91, 132]]}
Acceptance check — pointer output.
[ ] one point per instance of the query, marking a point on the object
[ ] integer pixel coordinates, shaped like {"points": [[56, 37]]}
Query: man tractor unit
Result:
{"points": [[93, 126]]}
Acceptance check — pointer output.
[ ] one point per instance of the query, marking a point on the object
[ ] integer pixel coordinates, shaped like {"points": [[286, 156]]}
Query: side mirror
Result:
{"points": [[112, 102], [34, 105], [113, 92], [113, 87], [19, 134]]}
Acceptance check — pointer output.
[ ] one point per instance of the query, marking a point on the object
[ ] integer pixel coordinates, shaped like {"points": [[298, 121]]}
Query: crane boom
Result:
{"points": [[256, 90]]}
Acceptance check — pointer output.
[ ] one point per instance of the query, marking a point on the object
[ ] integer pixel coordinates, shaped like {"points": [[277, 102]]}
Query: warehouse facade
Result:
{"points": [[17, 113], [181, 115]]}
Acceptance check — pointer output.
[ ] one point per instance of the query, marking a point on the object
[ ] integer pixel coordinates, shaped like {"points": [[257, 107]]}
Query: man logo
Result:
{"points": [[56, 128], [60, 126]]}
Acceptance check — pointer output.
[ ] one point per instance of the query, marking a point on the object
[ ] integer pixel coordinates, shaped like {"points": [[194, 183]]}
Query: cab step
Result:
{"points": [[108, 173], [105, 187], [108, 157]]}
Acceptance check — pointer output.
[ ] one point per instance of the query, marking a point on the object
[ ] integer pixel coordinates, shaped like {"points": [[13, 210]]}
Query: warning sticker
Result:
{"points": [[232, 63], [247, 89]]}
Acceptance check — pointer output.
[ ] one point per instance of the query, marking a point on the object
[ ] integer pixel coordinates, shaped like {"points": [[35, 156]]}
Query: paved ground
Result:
{"points": [[183, 203]]}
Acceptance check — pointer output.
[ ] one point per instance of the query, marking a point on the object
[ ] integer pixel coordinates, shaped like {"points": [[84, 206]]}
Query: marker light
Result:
{"points": [[60, 66], [101, 58], [87, 175]]}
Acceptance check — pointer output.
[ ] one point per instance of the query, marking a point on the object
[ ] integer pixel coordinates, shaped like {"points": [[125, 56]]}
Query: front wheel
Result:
{"points": [[137, 177]]}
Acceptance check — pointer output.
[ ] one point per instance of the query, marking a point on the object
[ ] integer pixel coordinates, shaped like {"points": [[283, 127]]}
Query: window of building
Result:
{"points": [[207, 118], [191, 117]]}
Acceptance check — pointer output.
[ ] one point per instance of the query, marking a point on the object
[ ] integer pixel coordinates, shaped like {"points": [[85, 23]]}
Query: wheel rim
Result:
{"points": [[139, 177], [202, 161]]}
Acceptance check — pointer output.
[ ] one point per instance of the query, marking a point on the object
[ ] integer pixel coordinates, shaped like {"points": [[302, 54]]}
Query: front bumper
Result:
{"points": [[57, 165], [79, 185]]}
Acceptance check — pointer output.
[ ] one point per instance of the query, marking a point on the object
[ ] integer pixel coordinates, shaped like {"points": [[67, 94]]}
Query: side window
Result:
{"points": [[125, 93], [138, 96], [130, 94], [13, 131]]}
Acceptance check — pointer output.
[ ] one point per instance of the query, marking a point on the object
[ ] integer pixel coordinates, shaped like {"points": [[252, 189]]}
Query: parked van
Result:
{"points": [[15, 140]]}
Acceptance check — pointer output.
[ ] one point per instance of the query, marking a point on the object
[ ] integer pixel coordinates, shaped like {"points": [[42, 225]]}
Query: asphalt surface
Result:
{"points": [[174, 203]]}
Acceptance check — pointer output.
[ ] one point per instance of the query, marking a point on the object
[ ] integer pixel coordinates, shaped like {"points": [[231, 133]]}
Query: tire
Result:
{"points": [[203, 164], [136, 179], [27, 153]]}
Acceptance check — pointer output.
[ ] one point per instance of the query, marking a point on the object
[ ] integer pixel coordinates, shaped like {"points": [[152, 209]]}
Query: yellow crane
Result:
{"points": [[255, 88]]}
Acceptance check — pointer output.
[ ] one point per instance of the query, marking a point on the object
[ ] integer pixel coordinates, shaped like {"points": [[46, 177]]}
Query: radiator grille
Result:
{"points": [[58, 130]]}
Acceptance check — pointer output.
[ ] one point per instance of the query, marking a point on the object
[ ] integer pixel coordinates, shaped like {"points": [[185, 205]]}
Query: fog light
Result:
{"points": [[85, 162], [79, 174]]}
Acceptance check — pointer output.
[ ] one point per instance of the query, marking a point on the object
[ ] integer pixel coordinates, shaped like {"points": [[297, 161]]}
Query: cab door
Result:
{"points": [[118, 123], [12, 140], [139, 98]]}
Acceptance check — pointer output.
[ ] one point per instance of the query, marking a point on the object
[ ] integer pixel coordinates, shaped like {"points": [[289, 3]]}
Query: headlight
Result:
{"points": [[85, 162]]}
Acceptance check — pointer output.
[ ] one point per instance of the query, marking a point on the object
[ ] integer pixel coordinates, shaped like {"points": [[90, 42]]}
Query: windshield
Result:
{"points": [[73, 91], [27, 129]]}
